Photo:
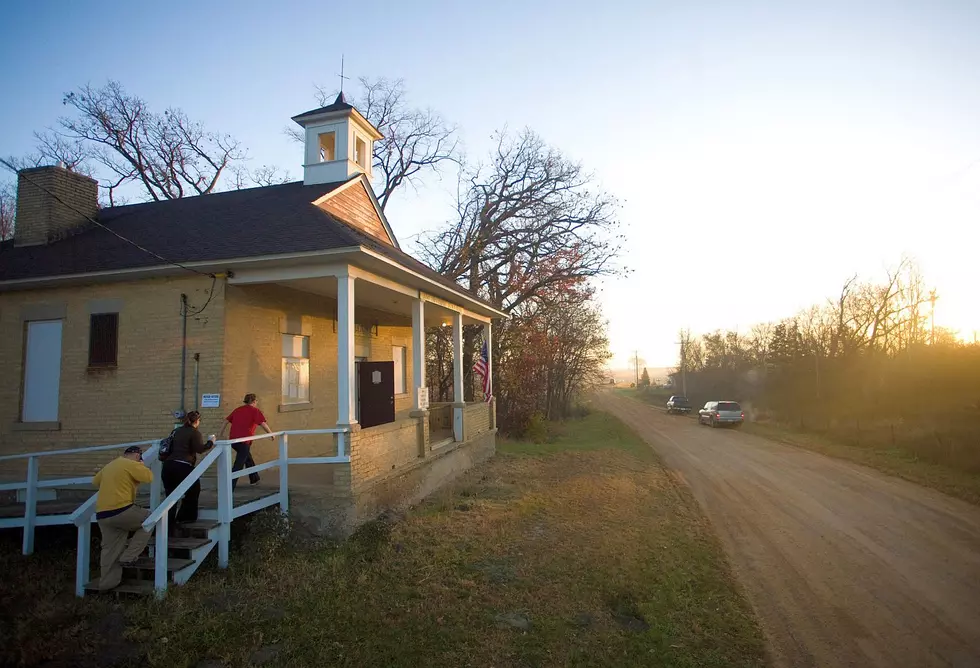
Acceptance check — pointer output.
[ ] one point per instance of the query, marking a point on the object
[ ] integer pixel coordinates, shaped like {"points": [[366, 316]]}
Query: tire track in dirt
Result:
{"points": [[845, 566]]}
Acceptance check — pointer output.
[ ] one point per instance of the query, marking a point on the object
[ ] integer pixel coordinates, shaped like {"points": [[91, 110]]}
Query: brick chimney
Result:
{"points": [[40, 217]]}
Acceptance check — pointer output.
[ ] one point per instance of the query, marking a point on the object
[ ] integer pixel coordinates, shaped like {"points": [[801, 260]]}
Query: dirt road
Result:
{"points": [[845, 566]]}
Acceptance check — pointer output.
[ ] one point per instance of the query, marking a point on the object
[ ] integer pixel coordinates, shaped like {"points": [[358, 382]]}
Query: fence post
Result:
{"points": [[284, 473], [83, 556], [30, 506], [225, 505], [160, 575]]}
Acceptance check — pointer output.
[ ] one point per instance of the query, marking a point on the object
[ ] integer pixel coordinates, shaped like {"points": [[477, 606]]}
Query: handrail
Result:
{"points": [[94, 448], [290, 432], [332, 430], [44, 484]]}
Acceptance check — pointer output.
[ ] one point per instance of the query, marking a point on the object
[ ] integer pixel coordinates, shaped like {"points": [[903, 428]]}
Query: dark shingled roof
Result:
{"points": [[271, 220]]}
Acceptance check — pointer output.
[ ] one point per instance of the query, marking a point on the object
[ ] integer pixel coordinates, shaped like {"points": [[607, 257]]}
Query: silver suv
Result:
{"points": [[721, 413]]}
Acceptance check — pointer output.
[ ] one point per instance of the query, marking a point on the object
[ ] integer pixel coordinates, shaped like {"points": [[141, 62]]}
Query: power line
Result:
{"points": [[100, 225], [187, 311]]}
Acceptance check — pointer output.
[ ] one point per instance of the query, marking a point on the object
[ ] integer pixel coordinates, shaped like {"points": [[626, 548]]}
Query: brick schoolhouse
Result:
{"points": [[114, 321]]}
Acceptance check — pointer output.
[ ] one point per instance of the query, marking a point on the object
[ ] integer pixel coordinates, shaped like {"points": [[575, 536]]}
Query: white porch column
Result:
{"points": [[345, 351], [488, 332], [458, 395], [458, 358], [418, 352]]}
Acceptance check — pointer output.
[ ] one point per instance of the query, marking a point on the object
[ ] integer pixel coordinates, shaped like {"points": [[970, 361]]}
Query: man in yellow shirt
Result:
{"points": [[118, 514]]}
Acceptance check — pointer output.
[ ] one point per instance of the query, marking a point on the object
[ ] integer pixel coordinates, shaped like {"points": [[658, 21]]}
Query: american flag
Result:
{"points": [[482, 367]]}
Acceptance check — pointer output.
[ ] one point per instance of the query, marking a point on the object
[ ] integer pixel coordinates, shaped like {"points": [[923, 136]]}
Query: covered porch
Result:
{"points": [[375, 384]]}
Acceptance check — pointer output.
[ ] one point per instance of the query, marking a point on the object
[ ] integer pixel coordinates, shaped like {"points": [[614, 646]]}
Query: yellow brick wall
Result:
{"points": [[380, 450], [476, 419], [136, 400], [253, 359], [133, 402]]}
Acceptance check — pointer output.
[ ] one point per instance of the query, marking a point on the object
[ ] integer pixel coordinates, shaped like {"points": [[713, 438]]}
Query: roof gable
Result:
{"points": [[354, 203]]}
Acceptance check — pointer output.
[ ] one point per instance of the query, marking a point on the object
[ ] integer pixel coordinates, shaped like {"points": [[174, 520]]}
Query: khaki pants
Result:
{"points": [[117, 546]]}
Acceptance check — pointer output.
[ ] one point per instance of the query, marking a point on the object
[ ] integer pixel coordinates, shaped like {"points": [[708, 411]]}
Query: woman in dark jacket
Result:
{"points": [[188, 443]]}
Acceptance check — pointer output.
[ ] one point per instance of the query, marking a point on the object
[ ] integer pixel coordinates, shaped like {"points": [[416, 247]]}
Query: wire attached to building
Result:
{"points": [[186, 309], [214, 277], [100, 225]]}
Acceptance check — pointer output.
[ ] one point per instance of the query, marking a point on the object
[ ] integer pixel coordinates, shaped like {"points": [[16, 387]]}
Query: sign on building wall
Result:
{"points": [[210, 400], [423, 398]]}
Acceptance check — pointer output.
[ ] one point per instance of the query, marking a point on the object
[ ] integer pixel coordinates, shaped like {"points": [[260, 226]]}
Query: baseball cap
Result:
{"points": [[134, 449]]}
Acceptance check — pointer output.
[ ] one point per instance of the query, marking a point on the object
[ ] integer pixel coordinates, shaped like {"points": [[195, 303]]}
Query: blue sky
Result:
{"points": [[762, 151]]}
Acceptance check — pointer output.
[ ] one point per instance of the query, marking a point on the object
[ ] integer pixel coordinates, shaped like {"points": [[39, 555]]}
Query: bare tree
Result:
{"points": [[8, 209], [415, 141], [168, 155], [53, 147], [266, 175], [527, 222], [270, 175]]}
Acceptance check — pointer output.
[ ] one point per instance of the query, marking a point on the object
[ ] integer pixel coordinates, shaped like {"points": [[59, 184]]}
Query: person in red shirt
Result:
{"points": [[243, 421]]}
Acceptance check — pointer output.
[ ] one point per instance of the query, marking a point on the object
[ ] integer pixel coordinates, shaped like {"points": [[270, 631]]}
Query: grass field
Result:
{"points": [[581, 551]]}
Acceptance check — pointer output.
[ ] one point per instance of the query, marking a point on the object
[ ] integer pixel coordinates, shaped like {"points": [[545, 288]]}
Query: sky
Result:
{"points": [[763, 152]]}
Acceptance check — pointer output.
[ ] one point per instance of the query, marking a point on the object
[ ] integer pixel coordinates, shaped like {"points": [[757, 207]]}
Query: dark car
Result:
{"points": [[678, 404]]}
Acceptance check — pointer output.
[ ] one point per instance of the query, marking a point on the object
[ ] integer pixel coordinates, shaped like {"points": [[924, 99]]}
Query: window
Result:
{"points": [[360, 152], [42, 371], [401, 381], [295, 369], [103, 340], [328, 146]]}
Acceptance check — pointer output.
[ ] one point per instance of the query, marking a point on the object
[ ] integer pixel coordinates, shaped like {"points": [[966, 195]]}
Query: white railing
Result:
{"points": [[223, 455], [33, 483]]}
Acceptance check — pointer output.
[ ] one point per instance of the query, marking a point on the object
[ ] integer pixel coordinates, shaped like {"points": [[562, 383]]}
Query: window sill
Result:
{"points": [[36, 426], [289, 408], [101, 368]]}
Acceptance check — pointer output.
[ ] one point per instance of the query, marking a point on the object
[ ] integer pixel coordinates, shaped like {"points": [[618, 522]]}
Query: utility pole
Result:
{"points": [[636, 368], [932, 316], [683, 369]]}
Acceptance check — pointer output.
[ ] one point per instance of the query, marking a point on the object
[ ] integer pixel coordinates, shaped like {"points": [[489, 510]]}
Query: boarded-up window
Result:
{"points": [[103, 341], [42, 371]]}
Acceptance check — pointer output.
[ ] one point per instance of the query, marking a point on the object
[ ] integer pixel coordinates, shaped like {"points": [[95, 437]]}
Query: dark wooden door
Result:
{"points": [[377, 389]]}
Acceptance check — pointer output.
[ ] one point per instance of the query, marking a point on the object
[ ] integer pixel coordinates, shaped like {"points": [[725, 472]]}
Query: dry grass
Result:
{"points": [[579, 552]]}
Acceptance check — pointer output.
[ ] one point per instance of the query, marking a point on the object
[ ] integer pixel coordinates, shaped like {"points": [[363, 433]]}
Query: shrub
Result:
{"points": [[537, 429]]}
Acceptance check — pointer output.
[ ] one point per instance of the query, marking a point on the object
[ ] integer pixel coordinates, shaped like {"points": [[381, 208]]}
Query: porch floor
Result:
{"points": [[245, 493]]}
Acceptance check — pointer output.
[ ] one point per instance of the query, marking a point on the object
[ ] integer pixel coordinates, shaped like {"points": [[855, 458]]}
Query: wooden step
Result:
{"points": [[173, 564], [200, 525], [185, 543], [134, 587]]}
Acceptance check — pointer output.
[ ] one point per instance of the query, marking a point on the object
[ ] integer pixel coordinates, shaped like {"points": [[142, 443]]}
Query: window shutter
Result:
{"points": [[103, 344]]}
